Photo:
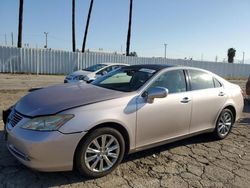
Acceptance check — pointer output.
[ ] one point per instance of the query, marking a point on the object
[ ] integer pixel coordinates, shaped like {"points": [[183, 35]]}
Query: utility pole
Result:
{"points": [[46, 39], [5, 39], [12, 39], [165, 54], [243, 59]]}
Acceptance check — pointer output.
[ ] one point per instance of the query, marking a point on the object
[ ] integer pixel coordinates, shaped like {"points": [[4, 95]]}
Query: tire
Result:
{"points": [[224, 124], [93, 160]]}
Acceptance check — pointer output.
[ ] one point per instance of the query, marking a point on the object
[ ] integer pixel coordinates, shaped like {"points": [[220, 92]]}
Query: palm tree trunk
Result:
{"points": [[87, 26], [20, 24], [129, 28], [73, 27]]}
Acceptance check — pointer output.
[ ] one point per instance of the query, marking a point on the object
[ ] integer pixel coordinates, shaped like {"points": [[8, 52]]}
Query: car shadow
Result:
{"points": [[244, 121], [64, 178]]}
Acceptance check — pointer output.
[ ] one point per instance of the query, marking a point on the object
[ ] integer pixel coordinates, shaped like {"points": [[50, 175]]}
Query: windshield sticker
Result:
{"points": [[151, 71]]}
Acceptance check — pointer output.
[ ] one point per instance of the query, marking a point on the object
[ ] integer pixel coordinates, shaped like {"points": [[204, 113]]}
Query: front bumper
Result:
{"points": [[43, 151]]}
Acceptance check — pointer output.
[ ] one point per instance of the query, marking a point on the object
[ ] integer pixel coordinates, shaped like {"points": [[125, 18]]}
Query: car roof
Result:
{"points": [[156, 67], [109, 64]]}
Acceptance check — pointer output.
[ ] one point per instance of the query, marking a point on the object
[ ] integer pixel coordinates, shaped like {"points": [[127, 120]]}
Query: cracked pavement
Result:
{"points": [[199, 161]]}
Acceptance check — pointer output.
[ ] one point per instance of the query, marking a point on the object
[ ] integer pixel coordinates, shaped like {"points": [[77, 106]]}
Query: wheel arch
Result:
{"points": [[232, 109], [113, 125]]}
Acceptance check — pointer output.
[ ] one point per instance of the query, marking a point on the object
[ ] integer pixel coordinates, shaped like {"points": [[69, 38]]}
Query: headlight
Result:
{"points": [[47, 123]]}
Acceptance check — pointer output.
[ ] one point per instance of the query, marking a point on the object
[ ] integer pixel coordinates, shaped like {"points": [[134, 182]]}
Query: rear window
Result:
{"points": [[94, 68]]}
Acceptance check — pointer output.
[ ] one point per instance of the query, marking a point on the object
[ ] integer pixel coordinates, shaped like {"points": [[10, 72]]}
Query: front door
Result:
{"points": [[167, 117]]}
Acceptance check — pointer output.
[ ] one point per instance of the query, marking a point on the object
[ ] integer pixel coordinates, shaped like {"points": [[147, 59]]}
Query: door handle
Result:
{"points": [[185, 100], [221, 94]]}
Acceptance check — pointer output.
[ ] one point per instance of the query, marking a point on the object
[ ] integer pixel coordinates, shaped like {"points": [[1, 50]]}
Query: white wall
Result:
{"points": [[41, 61]]}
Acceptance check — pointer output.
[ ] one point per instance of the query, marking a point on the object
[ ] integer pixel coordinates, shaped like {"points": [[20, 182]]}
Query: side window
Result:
{"points": [[108, 69], [105, 71], [217, 83], [174, 81], [200, 80], [115, 67]]}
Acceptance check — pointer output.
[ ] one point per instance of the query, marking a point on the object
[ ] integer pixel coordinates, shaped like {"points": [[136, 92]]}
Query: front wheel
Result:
{"points": [[100, 153], [224, 124]]}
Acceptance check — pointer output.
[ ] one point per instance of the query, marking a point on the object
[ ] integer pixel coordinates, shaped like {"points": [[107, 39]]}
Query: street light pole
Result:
{"points": [[5, 37], [12, 39], [46, 39], [243, 59], [165, 54]]}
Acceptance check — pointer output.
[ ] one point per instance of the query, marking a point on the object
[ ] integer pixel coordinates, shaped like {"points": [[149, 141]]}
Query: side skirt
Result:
{"points": [[170, 140]]}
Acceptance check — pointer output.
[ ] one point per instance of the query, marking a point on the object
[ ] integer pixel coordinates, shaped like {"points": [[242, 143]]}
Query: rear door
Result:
{"points": [[208, 97]]}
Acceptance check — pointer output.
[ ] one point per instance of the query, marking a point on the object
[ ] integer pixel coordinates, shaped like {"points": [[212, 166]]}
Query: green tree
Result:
{"points": [[231, 54], [87, 26], [129, 28], [20, 24], [73, 27], [134, 54]]}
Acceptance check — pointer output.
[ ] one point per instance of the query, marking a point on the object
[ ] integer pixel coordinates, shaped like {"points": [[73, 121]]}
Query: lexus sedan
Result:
{"points": [[91, 73], [90, 127]]}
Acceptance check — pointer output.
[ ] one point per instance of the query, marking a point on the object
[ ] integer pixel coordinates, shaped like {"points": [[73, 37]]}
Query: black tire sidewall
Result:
{"points": [[217, 134], [82, 147]]}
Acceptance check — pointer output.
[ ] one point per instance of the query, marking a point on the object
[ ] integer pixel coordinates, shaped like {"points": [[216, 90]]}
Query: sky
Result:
{"points": [[201, 29]]}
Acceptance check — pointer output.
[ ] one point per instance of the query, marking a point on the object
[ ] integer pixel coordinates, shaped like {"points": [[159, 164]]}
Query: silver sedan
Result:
{"points": [[91, 127]]}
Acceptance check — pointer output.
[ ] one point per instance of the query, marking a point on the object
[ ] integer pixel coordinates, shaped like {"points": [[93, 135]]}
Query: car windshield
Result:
{"points": [[126, 79], [94, 68]]}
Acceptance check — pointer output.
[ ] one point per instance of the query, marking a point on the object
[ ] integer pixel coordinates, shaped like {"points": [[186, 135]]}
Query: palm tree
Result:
{"points": [[87, 26], [73, 27], [231, 54], [129, 28], [20, 24]]}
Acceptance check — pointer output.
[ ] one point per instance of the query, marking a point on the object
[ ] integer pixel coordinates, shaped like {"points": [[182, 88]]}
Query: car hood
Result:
{"points": [[54, 99]]}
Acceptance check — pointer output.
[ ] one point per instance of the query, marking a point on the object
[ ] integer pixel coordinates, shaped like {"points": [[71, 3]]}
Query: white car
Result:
{"points": [[91, 73]]}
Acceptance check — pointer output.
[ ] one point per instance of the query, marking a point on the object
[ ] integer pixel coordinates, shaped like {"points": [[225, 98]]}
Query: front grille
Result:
{"points": [[14, 118]]}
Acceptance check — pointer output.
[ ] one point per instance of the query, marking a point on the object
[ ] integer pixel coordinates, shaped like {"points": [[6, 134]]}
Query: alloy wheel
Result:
{"points": [[102, 153], [225, 123]]}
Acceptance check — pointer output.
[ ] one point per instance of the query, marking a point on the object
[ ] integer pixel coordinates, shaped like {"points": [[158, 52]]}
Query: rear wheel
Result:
{"points": [[100, 153], [224, 124]]}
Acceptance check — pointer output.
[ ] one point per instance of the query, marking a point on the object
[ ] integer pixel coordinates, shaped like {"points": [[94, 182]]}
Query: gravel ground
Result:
{"points": [[196, 162]]}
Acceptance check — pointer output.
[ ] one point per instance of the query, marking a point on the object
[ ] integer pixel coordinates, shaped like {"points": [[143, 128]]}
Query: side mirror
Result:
{"points": [[155, 92]]}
